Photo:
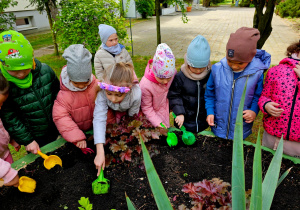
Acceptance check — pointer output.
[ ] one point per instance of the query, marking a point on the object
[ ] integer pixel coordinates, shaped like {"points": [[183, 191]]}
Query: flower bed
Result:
{"points": [[208, 158]]}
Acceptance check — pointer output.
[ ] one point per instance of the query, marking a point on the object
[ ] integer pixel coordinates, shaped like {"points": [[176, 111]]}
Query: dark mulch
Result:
{"points": [[208, 158]]}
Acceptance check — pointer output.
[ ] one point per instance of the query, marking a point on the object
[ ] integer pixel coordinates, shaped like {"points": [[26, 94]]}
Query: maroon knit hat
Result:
{"points": [[241, 45]]}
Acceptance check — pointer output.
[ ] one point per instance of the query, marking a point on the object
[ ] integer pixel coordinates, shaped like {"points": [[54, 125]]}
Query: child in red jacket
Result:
{"points": [[74, 106], [280, 103]]}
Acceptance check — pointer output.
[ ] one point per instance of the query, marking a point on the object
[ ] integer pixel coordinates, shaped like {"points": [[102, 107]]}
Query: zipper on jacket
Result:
{"points": [[42, 104], [231, 100], [291, 115], [198, 84]]}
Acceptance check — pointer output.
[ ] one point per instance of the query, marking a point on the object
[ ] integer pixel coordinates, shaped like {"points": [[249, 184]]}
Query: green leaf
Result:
{"points": [[206, 133], [159, 193], [256, 194], [238, 173], [283, 176], [270, 181], [130, 205]]}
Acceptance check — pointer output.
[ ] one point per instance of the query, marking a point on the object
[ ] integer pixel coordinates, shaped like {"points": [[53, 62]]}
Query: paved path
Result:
{"points": [[216, 24]]}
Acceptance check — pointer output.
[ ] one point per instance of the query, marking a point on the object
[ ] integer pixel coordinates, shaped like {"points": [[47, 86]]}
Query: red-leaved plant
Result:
{"points": [[208, 194], [122, 140]]}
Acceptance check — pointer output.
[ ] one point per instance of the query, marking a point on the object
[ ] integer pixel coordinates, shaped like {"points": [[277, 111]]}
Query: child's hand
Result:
{"points": [[297, 70], [100, 158], [33, 147], [99, 162], [272, 110], [81, 144], [14, 182], [249, 116], [210, 120], [179, 120]]}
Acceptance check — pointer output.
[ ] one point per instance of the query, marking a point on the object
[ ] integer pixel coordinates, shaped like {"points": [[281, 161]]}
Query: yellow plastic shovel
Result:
{"points": [[50, 161], [27, 184]]}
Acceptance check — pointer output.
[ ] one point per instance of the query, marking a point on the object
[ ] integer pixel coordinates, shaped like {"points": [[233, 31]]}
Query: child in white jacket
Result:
{"points": [[118, 96]]}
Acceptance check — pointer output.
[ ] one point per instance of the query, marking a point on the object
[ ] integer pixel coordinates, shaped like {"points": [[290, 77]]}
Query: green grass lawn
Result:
{"points": [[40, 40]]}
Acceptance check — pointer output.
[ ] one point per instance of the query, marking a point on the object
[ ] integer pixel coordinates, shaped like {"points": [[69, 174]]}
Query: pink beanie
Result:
{"points": [[164, 62], [241, 45]]}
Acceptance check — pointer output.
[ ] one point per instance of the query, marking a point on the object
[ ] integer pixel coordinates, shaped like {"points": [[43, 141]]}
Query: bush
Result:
{"points": [[7, 19], [145, 7], [78, 20], [288, 8]]}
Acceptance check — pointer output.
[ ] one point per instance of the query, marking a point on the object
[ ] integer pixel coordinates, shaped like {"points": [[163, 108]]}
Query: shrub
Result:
{"points": [[288, 8], [78, 22], [145, 7], [122, 142], [7, 19]]}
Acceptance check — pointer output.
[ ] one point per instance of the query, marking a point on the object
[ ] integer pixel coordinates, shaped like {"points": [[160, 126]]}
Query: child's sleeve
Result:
{"points": [[147, 107], [136, 104], [6, 172], [99, 70], [14, 125], [257, 93], [209, 96], [175, 96], [64, 122], [100, 118], [266, 93]]}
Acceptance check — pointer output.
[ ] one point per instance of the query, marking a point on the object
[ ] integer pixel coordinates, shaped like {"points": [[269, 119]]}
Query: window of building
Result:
{"points": [[23, 22]]}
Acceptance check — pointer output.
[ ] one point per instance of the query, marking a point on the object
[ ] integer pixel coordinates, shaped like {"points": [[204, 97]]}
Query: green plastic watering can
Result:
{"points": [[188, 137], [101, 185], [172, 140]]}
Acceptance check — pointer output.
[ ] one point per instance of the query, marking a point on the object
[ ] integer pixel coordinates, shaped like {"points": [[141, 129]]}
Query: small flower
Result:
{"points": [[122, 89], [110, 88]]}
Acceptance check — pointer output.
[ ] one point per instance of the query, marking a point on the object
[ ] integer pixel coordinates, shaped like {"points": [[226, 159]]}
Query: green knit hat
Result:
{"points": [[16, 52]]}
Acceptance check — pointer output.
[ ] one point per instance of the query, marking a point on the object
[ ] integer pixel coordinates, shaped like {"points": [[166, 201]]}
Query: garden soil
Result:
{"points": [[61, 188]]}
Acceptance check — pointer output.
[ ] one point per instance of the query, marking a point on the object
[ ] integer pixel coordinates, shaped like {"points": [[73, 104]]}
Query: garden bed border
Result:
{"points": [[29, 158]]}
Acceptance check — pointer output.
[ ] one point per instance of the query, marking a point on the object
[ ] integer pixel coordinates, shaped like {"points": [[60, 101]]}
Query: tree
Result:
{"points": [[263, 20], [180, 3], [78, 21], [50, 7], [7, 19]]}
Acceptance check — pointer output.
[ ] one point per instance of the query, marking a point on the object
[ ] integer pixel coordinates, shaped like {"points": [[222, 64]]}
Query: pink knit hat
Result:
{"points": [[241, 45], [163, 62]]}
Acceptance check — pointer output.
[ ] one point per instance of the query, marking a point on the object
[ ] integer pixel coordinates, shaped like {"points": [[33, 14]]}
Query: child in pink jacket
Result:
{"points": [[155, 85], [9, 175], [74, 106], [280, 103]]}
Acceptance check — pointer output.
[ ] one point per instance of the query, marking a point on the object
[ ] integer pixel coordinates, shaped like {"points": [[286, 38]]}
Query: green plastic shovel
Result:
{"points": [[172, 140], [101, 185], [188, 137]]}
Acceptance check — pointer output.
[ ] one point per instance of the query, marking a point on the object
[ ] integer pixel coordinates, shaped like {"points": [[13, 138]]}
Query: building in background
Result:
{"points": [[28, 19]]}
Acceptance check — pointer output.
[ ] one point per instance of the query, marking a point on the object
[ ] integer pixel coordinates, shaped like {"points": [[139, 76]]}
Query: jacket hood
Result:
{"points": [[290, 62], [261, 61]]}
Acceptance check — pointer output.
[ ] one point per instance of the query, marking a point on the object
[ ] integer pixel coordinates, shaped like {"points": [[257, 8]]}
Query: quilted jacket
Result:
{"points": [[73, 111], [27, 113], [104, 59], [282, 86]]}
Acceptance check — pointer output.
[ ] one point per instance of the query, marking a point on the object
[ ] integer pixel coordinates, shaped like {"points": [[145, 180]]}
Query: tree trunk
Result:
{"points": [[262, 21], [157, 8], [206, 3], [51, 27]]}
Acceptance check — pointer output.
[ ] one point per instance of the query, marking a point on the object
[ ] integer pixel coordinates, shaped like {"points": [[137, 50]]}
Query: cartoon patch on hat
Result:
{"points": [[12, 53]]}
